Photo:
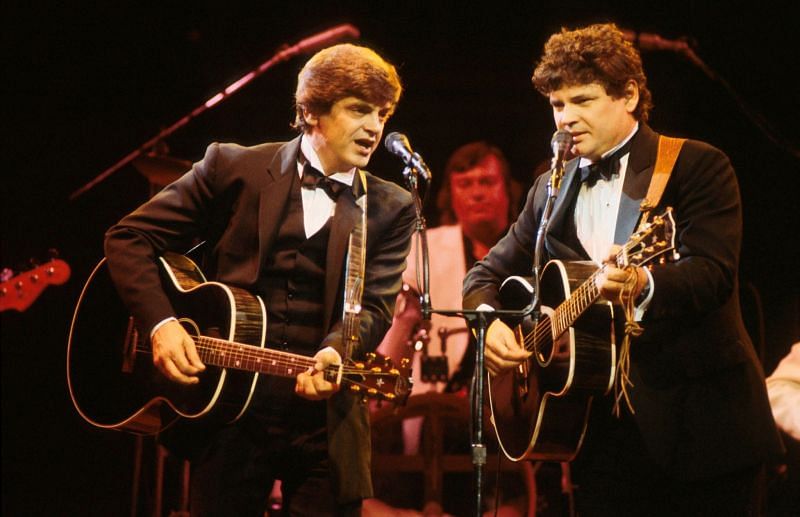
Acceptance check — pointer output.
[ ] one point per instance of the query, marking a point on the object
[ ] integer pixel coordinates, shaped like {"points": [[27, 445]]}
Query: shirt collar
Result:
{"points": [[307, 151], [584, 162]]}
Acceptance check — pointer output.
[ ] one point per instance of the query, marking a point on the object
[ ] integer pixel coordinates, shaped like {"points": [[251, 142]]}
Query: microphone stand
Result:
{"points": [[309, 44], [478, 320], [412, 179], [553, 187]]}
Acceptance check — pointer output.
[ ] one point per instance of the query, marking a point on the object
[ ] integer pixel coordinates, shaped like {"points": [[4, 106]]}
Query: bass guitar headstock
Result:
{"points": [[20, 291]]}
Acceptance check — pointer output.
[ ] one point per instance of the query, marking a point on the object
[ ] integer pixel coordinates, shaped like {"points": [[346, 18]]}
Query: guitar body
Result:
{"points": [[112, 380], [540, 409]]}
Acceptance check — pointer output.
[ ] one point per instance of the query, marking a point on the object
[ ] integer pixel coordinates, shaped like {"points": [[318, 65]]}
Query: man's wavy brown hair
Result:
{"points": [[594, 54], [342, 71]]}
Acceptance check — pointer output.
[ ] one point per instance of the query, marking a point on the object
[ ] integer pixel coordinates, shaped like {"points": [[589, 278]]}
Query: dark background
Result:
{"points": [[87, 84]]}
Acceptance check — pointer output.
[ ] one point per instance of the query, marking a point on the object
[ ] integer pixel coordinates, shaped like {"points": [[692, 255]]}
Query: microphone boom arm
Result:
{"points": [[311, 43]]}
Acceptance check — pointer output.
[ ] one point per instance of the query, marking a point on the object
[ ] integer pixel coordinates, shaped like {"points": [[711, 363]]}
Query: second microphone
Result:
{"points": [[397, 144]]}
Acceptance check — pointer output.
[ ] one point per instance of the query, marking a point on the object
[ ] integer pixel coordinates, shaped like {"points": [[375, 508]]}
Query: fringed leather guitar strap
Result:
{"points": [[668, 150]]}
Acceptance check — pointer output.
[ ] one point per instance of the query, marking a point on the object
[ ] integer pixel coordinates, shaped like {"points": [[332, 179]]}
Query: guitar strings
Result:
{"points": [[274, 358], [587, 293]]}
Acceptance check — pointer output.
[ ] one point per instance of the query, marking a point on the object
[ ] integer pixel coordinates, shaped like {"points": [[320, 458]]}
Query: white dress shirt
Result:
{"points": [[318, 207]]}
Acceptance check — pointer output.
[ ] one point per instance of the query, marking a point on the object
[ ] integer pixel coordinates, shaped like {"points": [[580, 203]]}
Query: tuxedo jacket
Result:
{"points": [[698, 389], [235, 199]]}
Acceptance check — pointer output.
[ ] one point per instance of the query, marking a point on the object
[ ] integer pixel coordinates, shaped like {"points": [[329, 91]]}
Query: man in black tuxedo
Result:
{"points": [[273, 229], [698, 429]]}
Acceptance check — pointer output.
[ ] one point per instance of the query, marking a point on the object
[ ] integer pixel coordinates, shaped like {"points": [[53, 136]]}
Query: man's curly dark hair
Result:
{"points": [[595, 54]]}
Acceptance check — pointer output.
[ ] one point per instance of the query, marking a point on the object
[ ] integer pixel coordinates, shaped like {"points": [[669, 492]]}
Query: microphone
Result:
{"points": [[397, 144], [320, 40], [560, 143], [650, 41]]}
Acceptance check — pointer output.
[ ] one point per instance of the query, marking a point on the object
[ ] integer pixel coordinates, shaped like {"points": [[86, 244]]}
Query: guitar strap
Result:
{"points": [[668, 150], [354, 276]]}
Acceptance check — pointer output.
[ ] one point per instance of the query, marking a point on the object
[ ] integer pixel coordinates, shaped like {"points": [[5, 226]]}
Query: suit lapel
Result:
{"points": [[275, 195], [637, 179], [561, 214]]}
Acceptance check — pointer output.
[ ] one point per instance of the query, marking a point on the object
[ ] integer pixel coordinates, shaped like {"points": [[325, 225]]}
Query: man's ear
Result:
{"points": [[631, 95]]}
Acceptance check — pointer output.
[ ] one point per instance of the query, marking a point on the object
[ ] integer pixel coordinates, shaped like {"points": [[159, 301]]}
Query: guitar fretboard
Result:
{"points": [[587, 293], [227, 354]]}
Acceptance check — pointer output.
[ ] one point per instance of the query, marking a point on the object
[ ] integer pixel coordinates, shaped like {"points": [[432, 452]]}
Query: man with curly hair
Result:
{"points": [[696, 430]]}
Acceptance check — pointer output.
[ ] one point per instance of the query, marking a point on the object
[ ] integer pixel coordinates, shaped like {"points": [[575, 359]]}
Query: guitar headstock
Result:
{"points": [[21, 291], [656, 240], [377, 377]]}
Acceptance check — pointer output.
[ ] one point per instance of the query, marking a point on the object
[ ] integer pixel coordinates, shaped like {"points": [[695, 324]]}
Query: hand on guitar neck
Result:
{"points": [[618, 285], [311, 384], [175, 355]]}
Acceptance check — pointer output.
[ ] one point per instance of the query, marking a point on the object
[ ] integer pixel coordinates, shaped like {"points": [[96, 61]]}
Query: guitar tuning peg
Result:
{"points": [[370, 356], [355, 388], [404, 362]]}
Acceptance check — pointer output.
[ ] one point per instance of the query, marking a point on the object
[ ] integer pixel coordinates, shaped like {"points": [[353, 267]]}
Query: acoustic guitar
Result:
{"points": [[539, 409], [114, 384]]}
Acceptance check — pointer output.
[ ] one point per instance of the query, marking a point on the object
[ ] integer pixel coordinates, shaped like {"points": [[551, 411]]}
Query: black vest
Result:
{"points": [[292, 282], [292, 285]]}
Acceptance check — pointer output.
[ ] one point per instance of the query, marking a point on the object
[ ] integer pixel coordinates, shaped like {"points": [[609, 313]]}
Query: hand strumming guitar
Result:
{"points": [[175, 354], [502, 352]]}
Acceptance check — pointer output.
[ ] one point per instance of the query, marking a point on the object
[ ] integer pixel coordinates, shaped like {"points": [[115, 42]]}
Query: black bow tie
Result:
{"points": [[312, 178], [605, 168]]}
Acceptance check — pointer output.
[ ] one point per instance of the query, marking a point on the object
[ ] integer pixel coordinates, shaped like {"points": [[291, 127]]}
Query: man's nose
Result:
{"points": [[374, 123], [477, 191], [567, 118]]}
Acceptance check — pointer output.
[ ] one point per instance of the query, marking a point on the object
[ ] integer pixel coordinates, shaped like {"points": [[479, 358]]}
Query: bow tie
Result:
{"points": [[312, 178], [604, 168]]}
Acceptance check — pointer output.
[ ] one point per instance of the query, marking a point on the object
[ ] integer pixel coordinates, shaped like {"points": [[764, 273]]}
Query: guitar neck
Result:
{"points": [[585, 295], [565, 314], [238, 356]]}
